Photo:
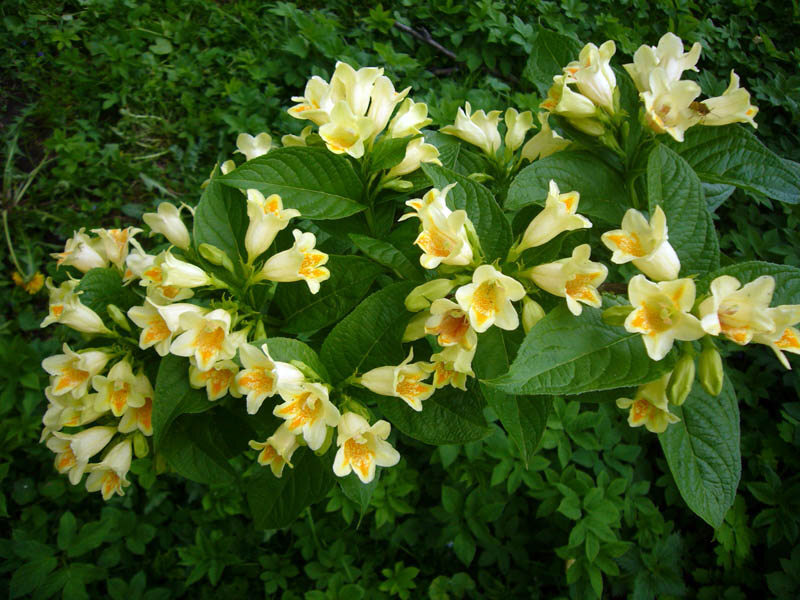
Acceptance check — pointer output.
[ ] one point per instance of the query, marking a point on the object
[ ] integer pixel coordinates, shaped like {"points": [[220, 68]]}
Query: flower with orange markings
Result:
{"points": [[120, 389], [277, 450], [155, 332], [346, 131], [267, 217], [206, 337], [218, 380], [316, 103], [115, 243], [66, 308], [363, 448], [71, 372], [300, 262], [645, 244], [140, 418], [404, 381], [261, 377], [68, 411], [450, 325], [452, 366], [309, 412], [487, 300], [661, 313], [108, 476], [80, 448], [593, 74], [738, 312], [732, 107], [650, 407], [785, 337], [575, 278], [82, 253]]}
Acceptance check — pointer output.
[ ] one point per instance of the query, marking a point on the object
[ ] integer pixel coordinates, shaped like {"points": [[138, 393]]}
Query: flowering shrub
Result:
{"points": [[499, 306]]}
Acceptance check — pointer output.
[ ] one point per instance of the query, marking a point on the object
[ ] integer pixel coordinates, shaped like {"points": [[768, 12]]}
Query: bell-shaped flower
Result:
{"points": [[403, 381], [72, 371], [316, 104], [267, 217], [108, 476], [206, 337], [82, 253], [559, 215], [82, 447], [66, 308], [297, 140], [410, 118], [452, 365], [668, 55], [785, 337], [346, 131], [67, 410], [593, 74], [575, 278], [140, 418], [645, 244], [383, 100], [487, 300], [121, 389], [277, 450], [517, 127], [650, 407], [167, 221], [417, 152], [60, 297], [444, 374], [668, 104], [151, 272], [355, 86], [478, 128], [218, 380], [545, 142], [308, 410], [182, 274], [738, 312], [450, 324], [116, 243], [155, 332], [253, 147], [300, 262], [562, 100], [261, 377], [362, 448], [661, 313], [732, 107], [65, 461]]}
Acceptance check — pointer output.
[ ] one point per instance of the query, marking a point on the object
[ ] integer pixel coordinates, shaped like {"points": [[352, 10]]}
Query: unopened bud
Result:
{"points": [[480, 177], [711, 371], [616, 315], [353, 406], [327, 443], [398, 185], [681, 380], [118, 316], [421, 296], [416, 327], [532, 313], [140, 446], [215, 256]]}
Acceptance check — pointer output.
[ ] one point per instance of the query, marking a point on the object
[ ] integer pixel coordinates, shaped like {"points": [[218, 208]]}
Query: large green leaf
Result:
{"points": [[523, 417], [276, 502], [174, 396], [351, 278], [550, 53], [732, 155], [703, 452], [221, 220], [100, 287], [456, 155], [674, 186], [601, 188], [787, 279], [370, 336], [450, 416], [494, 230], [387, 255], [565, 354], [319, 184]]}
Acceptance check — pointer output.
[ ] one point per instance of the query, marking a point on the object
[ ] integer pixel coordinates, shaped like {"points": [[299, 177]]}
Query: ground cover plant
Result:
{"points": [[590, 475]]}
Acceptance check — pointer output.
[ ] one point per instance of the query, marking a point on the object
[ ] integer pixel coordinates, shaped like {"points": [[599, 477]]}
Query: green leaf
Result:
{"points": [[288, 349], [351, 278], [703, 453], [494, 230], [369, 336], [456, 155], [674, 186], [523, 417], [565, 354], [388, 152], [601, 188], [360, 493], [319, 184], [276, 502], [221, 220], [67, 528], [387, 255], [549, 55], [174, 396], [450, 416], [734, 156], [100, 287], [787, 279], [90, 537], [31, 575]]}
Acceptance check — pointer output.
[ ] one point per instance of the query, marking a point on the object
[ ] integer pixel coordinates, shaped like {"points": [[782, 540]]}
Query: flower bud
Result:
{"points": [[215, 256], [711, 371], [421, 296], [183, 274], [398, 185], [681, 380], [616, 315], [140, 446], [118, 316], [532, 313], [415, 329], [353, 406]]}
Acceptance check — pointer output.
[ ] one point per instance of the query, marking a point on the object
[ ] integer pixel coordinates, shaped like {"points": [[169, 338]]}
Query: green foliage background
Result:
{"points": [[126, 103]]}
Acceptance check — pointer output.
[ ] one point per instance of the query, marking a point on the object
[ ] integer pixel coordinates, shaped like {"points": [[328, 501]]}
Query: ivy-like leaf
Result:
{"points": [[174, 396], [100, 287], [703, 453], [565, 354], [494, 230], [369, 336], [787, 279], [319, 184], [550, 53], [387, 255], [674, 186], [601, 188], [351, 278], [734, 156]]}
